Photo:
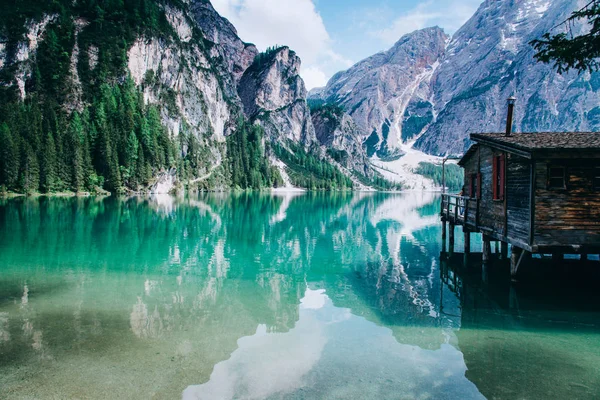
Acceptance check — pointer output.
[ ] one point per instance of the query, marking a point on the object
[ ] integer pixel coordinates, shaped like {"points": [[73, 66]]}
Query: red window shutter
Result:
{"points": [[479, 185], [502, 176], [495, 177]]}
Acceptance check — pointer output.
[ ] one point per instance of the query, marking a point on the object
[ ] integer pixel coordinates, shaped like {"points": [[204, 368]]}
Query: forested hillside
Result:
{"points": [[72, 118]]}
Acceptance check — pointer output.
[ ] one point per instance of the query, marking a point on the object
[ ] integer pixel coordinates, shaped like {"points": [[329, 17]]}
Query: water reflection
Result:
{"points": [[238, 296], [540, 335]]}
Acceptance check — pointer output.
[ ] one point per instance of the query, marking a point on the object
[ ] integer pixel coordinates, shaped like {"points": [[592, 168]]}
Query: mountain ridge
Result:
{"points": [[487, 60]]}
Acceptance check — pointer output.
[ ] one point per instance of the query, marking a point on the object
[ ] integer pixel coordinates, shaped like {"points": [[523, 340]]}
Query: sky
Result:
{"points": [[332, 35]]}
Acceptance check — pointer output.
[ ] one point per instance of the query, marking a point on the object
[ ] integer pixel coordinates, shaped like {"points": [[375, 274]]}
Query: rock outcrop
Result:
{"points": [[274, 95], [388, 94], [337, 132]]}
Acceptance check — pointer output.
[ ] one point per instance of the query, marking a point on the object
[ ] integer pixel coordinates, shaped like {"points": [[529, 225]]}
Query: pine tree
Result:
{"points": [[76, 150], [48, 171], [9, 159], [131, 156], [29, 171]]}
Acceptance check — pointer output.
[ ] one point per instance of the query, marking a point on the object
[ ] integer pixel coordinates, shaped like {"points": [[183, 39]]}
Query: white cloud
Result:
{"points": [[294, 23], [313, 77], [449, 14]]}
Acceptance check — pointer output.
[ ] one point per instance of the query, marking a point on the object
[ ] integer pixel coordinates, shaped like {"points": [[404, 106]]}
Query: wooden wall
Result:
{"points": [[518, 197], [571, 216], [492, 218], [491, 212]]}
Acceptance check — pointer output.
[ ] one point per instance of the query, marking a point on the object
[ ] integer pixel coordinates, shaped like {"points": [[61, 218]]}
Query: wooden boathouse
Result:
{"points": [[538, 192]]}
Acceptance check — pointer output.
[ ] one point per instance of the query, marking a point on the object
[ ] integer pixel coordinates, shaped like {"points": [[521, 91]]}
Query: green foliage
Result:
{"points": [[414, 124], [340, 156], [327, 110], [265, 57], [248, 166], [454, 175], [309, 171], [378, 182], [116, 142], [567, 51]]}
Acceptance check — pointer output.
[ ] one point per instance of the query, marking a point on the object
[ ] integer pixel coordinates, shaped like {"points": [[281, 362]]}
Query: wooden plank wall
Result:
{"points": [[567, 217], [491, 212], [518, 197]]}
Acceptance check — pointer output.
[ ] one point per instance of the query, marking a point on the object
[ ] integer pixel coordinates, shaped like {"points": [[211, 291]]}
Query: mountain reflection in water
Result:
{"points": [[228, 296]]}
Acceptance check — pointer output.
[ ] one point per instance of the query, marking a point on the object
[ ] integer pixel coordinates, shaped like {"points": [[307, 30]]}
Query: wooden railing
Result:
{"points": [[459, 210]]}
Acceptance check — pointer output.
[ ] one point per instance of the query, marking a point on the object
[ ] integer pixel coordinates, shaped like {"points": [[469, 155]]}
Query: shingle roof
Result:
{"points": [[543, 140]]}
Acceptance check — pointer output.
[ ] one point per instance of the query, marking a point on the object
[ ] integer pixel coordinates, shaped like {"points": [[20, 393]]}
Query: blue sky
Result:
{"points": [[331, 35]]}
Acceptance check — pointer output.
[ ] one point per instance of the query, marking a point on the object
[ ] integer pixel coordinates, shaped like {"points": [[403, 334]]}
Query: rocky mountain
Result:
{"points": [[489, 59], [339, 134], [387, 95], [274, 95], [440, 89], [148, 96]]}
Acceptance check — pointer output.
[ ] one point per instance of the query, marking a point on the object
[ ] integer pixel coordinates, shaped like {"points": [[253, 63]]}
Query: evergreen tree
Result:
{"points": [[75, 150], [29, 171], [9, 159], [48, 171], [568, 51]]}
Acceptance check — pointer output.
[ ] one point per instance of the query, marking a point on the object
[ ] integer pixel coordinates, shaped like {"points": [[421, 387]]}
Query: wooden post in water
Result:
{"points": [[451, 239], [487, 250], [467, 246], [503, 250], [444, 236], [516, 257]]}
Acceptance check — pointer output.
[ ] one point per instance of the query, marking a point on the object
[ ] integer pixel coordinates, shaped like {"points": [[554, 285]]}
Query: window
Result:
{"points": [[557, 178], [596, 178], [475, 186], [498, 174]]}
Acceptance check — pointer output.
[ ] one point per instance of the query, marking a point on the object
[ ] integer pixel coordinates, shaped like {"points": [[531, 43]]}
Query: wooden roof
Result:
{"points": [[544, 140], [542, 143]]}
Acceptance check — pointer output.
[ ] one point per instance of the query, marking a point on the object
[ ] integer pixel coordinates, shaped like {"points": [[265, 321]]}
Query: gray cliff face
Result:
{"points": [[388, 94], [338, 132], [490, 59], [273, 94], [236, 55]]}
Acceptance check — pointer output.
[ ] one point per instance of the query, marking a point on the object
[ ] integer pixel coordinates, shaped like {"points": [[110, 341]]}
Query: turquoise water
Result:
{"points": [[289, 296]]}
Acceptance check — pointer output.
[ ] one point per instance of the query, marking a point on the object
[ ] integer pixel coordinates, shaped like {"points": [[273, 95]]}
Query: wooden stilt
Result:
{"points": [[467, 242], [451, 239], [516, 257], [487, 250], [503, 250], [444, 236]]}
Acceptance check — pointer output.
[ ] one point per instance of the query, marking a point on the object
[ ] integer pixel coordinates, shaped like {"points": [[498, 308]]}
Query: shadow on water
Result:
{"points": [[536, 338]]}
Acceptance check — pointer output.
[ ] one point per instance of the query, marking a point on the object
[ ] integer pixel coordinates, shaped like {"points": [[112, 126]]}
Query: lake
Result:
{"points": [[285, 296]]}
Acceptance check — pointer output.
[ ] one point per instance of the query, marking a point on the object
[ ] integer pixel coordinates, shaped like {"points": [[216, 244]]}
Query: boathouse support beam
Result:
{"points": [[503, 250], [516, 257], [487, 250], [451, 238], [444, 227]]}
